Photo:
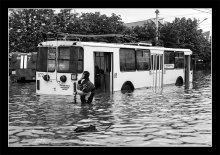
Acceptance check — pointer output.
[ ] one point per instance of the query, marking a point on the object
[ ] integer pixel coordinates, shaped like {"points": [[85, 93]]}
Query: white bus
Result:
{"points": [[112, 67]]}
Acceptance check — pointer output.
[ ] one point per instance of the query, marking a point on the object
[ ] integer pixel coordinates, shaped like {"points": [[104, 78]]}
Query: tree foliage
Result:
{"points": [[184, 33], [146, 32], [181, 33], [26, 27]]}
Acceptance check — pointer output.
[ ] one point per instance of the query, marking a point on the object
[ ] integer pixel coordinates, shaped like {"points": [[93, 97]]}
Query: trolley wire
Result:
{"points": [[166, 17], [180, 15], [202, 11], [208, 9]]}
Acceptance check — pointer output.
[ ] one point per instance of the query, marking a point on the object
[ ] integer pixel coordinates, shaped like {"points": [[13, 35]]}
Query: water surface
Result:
{"points": [[177, 117]]}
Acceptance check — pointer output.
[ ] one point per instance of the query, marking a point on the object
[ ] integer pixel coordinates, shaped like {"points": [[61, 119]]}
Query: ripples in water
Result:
{"points": [[177, 117]]}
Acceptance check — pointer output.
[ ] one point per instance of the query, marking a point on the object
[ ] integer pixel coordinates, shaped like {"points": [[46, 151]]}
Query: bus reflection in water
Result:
{"points": [[112, 67]]}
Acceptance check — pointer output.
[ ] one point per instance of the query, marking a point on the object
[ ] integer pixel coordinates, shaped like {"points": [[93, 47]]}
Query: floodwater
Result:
{"points": [[177, 117]]}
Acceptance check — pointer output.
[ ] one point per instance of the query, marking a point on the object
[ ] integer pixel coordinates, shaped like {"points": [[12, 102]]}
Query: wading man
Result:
{"points": [[86, 89]]}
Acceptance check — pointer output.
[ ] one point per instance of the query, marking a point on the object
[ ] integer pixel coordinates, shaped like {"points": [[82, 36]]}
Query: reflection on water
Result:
{"points": [[177, 117]]}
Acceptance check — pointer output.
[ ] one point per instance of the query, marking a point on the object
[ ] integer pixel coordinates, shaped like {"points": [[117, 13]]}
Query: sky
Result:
{"points": [[204, 15]]}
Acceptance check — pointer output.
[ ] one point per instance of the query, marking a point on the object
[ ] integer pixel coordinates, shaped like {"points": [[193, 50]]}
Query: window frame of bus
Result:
{"points": [[175, 65], [76, 60], [191, 63], [45, 56], [149, 58], [120, 58], [154, 65], [169, 51]]}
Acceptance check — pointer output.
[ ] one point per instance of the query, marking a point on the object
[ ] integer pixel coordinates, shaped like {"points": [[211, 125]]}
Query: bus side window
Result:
{"points": [[143, 59], [127, 59], [80, 60], [179, 60], [191, 62], [169, 59]]}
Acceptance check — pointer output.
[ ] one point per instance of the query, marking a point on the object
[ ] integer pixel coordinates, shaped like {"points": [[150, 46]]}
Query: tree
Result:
{"points": [[25, 27], [62, 22], [95, 23], [144, 32], [184, 33]]}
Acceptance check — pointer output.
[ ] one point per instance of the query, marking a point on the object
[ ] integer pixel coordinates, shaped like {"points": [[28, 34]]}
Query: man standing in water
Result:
{"points": [[86, 89]]}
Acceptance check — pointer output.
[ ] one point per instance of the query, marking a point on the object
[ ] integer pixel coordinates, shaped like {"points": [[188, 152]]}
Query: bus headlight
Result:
{"points": [[63, 78], [73, 76], [46, 77]]}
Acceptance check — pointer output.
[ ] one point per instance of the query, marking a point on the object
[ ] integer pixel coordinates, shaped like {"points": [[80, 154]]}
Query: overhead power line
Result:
{"points": [[202, 11], [163, 17], [181, 15], [208, 9], [206, 24]]}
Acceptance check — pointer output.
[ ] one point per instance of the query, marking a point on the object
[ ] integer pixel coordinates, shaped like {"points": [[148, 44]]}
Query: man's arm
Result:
{"points": [[88, 87], [79, 85]]}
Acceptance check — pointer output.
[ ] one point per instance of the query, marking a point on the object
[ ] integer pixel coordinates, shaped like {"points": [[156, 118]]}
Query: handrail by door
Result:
{"points": [[157, 69]]}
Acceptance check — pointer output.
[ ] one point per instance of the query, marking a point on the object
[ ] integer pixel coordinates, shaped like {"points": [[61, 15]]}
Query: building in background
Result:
{"points": [[207, 35]]}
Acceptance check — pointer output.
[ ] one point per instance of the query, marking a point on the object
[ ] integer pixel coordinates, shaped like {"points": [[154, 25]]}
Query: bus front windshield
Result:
{"points": [[70, 60], [46, 59]]}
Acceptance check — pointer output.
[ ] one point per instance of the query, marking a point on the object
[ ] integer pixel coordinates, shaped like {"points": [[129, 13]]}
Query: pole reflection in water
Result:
{"points": [[177, 117]]}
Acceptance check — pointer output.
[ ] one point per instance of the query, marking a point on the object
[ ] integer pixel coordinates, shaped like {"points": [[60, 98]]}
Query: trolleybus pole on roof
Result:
{"points": [[66, 35]]}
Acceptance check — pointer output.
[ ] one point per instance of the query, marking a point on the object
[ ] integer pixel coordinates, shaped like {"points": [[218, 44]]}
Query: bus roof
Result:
{"points": [[21, 53], [111, 45]]}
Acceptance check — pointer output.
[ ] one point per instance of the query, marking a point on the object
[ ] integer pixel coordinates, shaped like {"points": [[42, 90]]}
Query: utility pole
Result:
{"points": [[157, 12]]}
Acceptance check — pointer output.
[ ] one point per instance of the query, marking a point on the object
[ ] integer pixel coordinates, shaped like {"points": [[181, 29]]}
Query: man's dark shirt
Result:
{"points": [[85, 86]]}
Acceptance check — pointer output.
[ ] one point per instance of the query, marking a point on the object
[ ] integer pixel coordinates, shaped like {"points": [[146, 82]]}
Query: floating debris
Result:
{"points": [[90, 128]]}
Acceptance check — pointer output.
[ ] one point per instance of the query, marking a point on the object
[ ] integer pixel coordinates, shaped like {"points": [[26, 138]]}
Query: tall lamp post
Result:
{"points": [[157, 12]]}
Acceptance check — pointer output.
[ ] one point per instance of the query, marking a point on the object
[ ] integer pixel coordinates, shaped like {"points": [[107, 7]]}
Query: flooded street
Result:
{"points": [[177, 117]]}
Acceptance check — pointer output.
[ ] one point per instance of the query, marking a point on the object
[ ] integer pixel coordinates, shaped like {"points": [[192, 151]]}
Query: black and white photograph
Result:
{"points": [[110, 77]]}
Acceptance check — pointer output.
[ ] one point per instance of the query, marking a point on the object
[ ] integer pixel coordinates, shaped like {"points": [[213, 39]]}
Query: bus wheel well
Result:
{"points": [[127, 87], [179, 81]]}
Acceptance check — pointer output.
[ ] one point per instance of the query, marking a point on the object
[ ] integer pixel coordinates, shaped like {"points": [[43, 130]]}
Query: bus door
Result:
{"points": [[103, 71], [157, 70]]}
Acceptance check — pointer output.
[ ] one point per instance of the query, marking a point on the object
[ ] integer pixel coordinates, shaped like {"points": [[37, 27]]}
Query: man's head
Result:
{"points": [[86, 74]]}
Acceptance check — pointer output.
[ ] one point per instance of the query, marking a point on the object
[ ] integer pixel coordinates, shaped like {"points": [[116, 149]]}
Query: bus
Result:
{"points": [[112, 66], [22, 66]]}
